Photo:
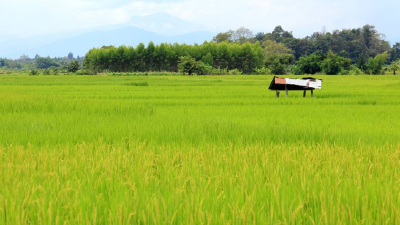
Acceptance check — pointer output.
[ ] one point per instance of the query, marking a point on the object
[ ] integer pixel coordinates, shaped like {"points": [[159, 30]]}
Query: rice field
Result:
{"points": [[198, 150]]}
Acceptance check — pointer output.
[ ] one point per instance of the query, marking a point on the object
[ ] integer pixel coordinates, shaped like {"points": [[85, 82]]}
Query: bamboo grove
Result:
{"points": [[165, 57]]}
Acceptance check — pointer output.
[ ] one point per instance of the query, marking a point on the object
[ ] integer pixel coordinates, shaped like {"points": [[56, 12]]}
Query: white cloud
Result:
{"points": [[31, 17], [217, 15]]}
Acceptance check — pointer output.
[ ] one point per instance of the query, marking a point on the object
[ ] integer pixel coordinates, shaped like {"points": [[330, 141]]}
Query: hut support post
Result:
{"points": [[287, 91], [277, 94], [312, 93], [304, 94]]}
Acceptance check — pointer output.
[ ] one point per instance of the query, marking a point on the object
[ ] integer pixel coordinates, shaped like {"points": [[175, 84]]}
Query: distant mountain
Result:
{"points": [[160, 27], [129, 36], [15, 47]]}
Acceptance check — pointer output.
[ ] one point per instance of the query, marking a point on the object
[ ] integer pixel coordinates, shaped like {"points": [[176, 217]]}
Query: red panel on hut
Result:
{"points": [[280, 80]]}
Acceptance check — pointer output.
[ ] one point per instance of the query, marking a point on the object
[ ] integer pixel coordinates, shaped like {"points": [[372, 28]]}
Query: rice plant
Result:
{"points": [[198, 150]]}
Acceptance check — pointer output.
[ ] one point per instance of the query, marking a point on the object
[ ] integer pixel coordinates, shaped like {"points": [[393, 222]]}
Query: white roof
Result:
{"points": [[311, 83]]}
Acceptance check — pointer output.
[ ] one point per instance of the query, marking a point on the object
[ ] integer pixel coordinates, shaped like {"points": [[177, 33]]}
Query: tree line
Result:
{"points": [[348, 43], [24, 62], [349, 51]]}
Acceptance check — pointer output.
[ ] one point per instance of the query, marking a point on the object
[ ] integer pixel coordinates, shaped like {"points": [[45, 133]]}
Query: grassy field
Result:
{"points": [[198, 150]]}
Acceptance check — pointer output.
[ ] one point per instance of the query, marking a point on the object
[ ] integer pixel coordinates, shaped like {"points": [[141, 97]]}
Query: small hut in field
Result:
{"points": [[287, 84]]}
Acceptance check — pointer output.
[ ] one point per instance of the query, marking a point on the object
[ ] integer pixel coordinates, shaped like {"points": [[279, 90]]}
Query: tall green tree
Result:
{"points": [[395, 52], [225, 36], [188, 65], [375, 65], [309, 64], [73, 66], [277, 56], [333, 64], [208, 59]]}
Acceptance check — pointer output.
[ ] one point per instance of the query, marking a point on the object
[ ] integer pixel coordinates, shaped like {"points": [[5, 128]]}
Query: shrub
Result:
{"points": [[73, 66], [189, 65], [55, 70], [86, 72], [354, 70], [235, 72], [309, 64], [263, 71], [334, 64], [34, 73], [144, 84], [46, 72], [375, 65], [219, 71]]}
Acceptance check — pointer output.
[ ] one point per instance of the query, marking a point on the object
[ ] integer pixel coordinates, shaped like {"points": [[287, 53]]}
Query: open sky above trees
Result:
{"points": [[36, 17]]}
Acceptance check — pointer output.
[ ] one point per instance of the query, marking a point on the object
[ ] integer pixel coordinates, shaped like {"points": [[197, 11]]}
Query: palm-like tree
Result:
{"points": [[394, 67]]}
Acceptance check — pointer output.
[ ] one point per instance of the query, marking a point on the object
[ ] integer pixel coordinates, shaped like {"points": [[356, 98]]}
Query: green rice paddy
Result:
{"points": [[198, 150]]}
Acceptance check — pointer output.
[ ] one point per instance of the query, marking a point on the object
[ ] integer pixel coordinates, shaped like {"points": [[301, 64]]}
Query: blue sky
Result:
{"points": [[24, 18]]}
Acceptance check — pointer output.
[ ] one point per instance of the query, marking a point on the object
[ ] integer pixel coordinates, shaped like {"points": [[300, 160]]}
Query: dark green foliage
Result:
{"points": [[208, 59], [86, 72], [309, 64], [41, 63], [34, 72], [55, 70], [353, 42], [278, 35], [375, 65], [279, 64], [277, 57], [260, 37], [362, 63], [334, 64], [395, 52], [46, 72], [73, 66], [330, 64], [10, 64], [45, 63], [166, 57], [188, 65]]}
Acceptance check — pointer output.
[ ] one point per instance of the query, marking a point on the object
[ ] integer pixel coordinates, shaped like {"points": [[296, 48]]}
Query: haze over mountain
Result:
{"points": [[165, 24], [160, 27], [129, 36]]}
